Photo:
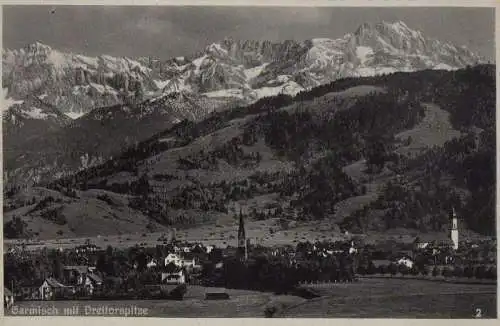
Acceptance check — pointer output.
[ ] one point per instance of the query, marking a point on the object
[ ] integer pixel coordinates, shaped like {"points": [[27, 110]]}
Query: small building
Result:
{"points": [[8, 298], [215, 295], [173, 259], [152, 263], [51, 289], [87, 248], [405, 261], [76, 274], [189, 261], [422, 245], [176, 276], [92, 283]]}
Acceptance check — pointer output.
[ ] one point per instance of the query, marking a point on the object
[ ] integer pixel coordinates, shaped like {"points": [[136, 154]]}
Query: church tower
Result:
{"points": [[242, 241], [454, 229]]}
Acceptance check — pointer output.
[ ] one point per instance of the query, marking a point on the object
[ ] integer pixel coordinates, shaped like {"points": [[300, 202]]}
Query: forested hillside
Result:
{"points": [[339, 152]]}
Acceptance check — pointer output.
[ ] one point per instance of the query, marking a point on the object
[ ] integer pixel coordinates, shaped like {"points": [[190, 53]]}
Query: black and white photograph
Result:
{"points": [[189, 161]]}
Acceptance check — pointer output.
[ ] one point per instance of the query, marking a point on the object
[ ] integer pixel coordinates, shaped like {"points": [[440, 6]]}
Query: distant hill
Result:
{"points": [[366, 154]]}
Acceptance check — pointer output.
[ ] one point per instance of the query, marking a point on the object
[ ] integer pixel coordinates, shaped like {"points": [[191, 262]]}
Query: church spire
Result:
{"points": [[242, 242], [454, 228]]}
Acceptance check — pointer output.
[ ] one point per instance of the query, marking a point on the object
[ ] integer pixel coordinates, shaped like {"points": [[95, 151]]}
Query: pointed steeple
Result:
{"points": [[241, 230], [242, 243], [454, 229]]}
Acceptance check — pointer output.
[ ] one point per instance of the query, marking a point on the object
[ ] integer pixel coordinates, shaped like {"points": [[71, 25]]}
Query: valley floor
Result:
{"points": [[368, 298]]}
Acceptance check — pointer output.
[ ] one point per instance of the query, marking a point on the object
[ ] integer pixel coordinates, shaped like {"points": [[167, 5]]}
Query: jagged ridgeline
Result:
{"points": [[66, 111], [371, 153]]}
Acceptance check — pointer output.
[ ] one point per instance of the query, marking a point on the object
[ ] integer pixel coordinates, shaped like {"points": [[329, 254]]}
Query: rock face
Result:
{"points": [[119, 101], [73, 83], [230, 68]]}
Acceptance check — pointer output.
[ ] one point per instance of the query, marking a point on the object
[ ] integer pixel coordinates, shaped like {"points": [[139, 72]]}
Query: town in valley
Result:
{"points": [[313, 171]]}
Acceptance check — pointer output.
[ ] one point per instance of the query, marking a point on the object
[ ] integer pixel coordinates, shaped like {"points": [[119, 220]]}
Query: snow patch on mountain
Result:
{"points": [[444, 66], [243, 69], [251, 73], [197, 63], [7, 102], [161, 84], [363, 52], [37, 113], [74, 115], [290, 88], [232, 92]]}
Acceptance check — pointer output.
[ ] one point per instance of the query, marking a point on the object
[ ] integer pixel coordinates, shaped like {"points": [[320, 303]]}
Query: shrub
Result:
{"points": [[371, 269], [54, 215], [105, 198], [480, 272], [446, 272], [393, 269], [403, 269], [270, 311], [458, 271], [382, 269], [469, 271], [491, 273]]}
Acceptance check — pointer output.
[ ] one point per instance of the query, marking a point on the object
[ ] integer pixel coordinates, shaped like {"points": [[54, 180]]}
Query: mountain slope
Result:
{"points": [[32, 157], [323, 157]]}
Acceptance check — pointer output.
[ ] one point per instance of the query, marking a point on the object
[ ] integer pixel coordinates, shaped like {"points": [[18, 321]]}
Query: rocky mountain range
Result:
{"points": [[367, 155], [244, 70], [65, 112]]}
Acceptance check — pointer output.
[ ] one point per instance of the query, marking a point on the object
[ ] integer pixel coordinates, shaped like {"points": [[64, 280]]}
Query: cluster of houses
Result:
{"points": [[181, 260], [84, 280], [78, 281]]}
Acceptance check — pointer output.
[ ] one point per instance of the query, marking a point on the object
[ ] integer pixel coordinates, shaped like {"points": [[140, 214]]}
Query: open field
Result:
{"points": [[397, 298], [434, 130], [368, 298], [226, 235]]}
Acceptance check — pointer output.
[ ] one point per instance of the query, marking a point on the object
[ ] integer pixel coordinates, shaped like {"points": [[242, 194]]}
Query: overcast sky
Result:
{"points": [[172, 31]]}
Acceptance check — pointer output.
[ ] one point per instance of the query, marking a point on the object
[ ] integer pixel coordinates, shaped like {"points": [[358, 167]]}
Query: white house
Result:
{"points": [[422, 245], [92, 282], [152, 263], [190, 262], [173, 258], [50, 289], [8, 298], [352, 249], [176, 277], [405, 261]]}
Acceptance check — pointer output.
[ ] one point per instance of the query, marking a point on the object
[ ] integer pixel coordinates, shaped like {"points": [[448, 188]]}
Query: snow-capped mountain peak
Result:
{"points": [[239, 69]]}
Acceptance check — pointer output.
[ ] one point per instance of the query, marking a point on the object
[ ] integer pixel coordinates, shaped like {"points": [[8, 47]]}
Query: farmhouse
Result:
{"points": [[152, 263], [75, 275], [87, 248], [190, 261], [175, 276], [8, 298], [51, 289], [405, 261], [173, 259], [92, 283]]}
